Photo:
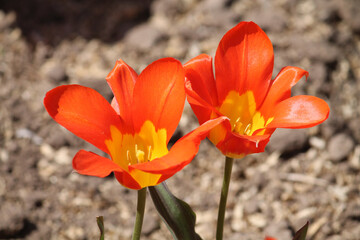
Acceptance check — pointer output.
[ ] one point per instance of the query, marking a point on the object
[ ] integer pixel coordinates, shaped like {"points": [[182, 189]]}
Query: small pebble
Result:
{"points": [[340, 146]]}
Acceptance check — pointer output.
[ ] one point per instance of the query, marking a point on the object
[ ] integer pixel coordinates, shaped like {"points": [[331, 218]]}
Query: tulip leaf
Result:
{"points": [[177, 214], [301, 234], [100, 223]]}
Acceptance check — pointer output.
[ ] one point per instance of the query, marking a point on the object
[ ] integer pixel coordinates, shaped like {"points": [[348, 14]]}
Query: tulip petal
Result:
{"points": [[200, 87], [82, 111], [280, 88], [219, 133], [244, 61], [270, 238], [238, 146], [180, 154], [201, 108], [89, 163], [121, 81], [115, 105], [159, 95], [199, 72], [299, 112], [127, 180]]}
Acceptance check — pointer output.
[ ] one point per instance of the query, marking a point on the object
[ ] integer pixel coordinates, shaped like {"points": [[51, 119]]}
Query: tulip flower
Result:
{"points": [[243, 91], [135, 128]]}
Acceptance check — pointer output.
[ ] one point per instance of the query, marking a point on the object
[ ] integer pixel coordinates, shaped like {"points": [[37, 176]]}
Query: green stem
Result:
{"points": [[139, 213], [224, 193]]}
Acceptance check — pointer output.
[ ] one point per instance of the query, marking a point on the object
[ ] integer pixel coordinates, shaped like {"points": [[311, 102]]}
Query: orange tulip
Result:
{"points": [[243, 91], [135, 129]]}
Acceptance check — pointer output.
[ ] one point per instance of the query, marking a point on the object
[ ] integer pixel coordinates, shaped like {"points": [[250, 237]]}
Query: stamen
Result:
{"points": [[149, 153], [237, 125], [237, 120], [128, 157], [247, 130], [257, 144]]}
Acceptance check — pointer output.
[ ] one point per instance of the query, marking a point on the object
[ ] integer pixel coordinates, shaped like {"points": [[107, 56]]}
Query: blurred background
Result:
{"points": [[311, 174]]}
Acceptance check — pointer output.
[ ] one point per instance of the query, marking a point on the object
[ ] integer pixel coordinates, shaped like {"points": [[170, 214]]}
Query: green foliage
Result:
{"points": [[100, 223], [177, 214]]}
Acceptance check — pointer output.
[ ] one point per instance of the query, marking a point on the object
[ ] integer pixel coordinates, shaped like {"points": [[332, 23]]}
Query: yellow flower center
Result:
{"points": [[145, 146], [244, 117]]}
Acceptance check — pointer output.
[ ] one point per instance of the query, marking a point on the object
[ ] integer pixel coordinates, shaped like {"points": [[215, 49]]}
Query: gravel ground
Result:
{"points": [[304, 175]]}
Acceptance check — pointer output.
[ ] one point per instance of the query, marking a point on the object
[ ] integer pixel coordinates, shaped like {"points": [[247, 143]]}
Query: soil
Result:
{"points": [[304, 175]]}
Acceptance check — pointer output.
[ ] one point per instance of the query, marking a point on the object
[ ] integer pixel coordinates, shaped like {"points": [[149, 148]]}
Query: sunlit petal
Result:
{"points": [[300, 112], [84, 112], [121, 81], [244, 61], [159, 95], [280, 88], [89, 163]]}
